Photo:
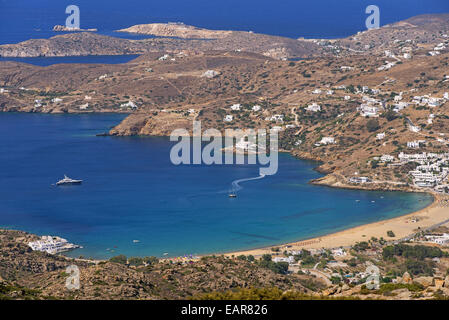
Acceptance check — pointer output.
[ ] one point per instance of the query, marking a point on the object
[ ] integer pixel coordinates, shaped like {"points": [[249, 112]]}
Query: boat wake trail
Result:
{"points": [[236, 183]]}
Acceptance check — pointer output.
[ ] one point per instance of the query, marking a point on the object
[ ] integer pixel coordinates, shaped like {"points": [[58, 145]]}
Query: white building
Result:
{"points": [[359, 180], [400, 106], [277, 118], [414, 128], [164, 57], [289, 260], [313, 107], [387, 158], [380, 136], [367, 110], [338, 252], [438, 239], [327, 140], [228, 118], [84, 106], [256, 108], [129, 104], [51, 245], [210, 74], [415, 144], [434, 102], [236, 107]]}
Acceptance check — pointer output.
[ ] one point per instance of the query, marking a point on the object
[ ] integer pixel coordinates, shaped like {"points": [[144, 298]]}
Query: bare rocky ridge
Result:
{"points": [[27, 274], [87, 43], [178, 30]]}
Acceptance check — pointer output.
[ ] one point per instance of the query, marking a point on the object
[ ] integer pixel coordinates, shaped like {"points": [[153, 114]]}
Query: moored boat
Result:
{"points": [[68, 180]]}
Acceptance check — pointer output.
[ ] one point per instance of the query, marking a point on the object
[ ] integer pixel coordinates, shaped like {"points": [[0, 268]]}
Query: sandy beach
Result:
{"points": [[403, 226]]}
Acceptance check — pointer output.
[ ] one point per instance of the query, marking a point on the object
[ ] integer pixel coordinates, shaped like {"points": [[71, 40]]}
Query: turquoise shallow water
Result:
{"points": [[133, 192]]}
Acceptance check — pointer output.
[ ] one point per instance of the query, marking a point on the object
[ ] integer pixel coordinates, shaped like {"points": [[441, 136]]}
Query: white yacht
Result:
{"points": [[68, 180]]}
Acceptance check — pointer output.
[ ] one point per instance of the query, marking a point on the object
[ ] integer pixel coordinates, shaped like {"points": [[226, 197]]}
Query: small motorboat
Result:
{"points": [[232, 195], [68, 180]]}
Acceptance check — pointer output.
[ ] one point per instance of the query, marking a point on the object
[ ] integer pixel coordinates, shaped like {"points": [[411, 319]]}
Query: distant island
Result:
{"points": [[177, 29], [60, 28]]}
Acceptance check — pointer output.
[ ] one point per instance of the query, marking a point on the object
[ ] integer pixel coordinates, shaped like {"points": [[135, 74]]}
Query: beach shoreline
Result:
{"points": [[402, 227]]}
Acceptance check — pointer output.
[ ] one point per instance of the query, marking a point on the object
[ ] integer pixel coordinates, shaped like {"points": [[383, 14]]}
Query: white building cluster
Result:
{"points": [[52, 245], [370, 107], [441, 239], [432, 171]]}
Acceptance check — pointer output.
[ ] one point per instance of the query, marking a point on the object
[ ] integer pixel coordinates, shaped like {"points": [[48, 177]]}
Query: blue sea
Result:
{"points": [[131, 191], [24, 19]]}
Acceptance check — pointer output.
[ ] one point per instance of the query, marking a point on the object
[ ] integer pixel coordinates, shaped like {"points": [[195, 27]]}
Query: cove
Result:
{"points": [[132, 191]]}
